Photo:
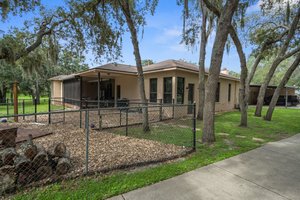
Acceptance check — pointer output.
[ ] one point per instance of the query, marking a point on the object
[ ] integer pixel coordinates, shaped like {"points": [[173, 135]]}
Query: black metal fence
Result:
{"points": [[32, 106], [43, 148], [25, 106]]}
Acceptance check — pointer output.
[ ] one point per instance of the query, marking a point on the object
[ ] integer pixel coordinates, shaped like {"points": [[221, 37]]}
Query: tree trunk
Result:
{"points": [[203, 43], [251, 75], [33, 99], [259, 57], [280, 57], [11, 95], [283, 82], [224, 24], [126, 11], [37, 91], [3, 92], [264, 86], [244, 72]]}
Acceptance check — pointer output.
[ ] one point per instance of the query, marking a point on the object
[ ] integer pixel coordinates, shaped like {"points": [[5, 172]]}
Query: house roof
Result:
{"points": [[62, 77], [157, 67], [170, 64], [178, 64], [118, 67]]}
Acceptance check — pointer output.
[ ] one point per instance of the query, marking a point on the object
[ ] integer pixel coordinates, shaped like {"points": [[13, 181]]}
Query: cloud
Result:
{"points": [[168, 35], [178, 48], [173, 32]]}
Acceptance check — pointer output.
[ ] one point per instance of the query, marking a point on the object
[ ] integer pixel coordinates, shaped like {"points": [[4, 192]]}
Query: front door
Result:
{"points": [[190, 98]]}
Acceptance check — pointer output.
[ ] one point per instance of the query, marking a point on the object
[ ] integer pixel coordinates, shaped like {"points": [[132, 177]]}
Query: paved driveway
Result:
{"points": [[269, 172]]}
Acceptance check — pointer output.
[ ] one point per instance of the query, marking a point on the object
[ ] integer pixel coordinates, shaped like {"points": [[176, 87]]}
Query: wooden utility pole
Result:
{"points": [[15, 94]]}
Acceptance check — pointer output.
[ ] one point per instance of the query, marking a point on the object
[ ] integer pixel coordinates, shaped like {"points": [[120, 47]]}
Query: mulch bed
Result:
{"points": [[106, 150]]}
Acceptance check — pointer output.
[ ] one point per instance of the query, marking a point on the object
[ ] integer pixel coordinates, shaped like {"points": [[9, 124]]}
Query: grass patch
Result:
{"points": [[27, 107], [285, 123], [178, 132]]}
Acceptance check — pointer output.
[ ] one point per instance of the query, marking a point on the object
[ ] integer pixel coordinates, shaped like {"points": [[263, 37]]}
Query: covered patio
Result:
{"points": [[101, 87]]}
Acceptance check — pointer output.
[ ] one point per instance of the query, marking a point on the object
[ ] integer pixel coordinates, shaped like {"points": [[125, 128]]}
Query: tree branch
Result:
{"points": [[43, 31], [211, 7], [290, 33], [291, 53]]}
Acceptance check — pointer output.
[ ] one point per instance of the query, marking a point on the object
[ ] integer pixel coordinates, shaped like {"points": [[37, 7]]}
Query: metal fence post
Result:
{"points": [[49, 111], [35, 109], [173, 108], [64, 107], [87, 132], [194, 126], [23, 109], [160, 110], [127, 122], [120, 117], [80, 115], [100, 120]]}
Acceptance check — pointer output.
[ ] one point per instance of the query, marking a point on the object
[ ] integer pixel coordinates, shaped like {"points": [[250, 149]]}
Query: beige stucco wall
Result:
{"points": [[130, 90], [160, 83], [192, 78], [129, 86], [56, 89], [224, 104]]}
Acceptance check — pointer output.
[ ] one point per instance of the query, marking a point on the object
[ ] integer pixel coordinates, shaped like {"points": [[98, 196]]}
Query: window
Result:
{"points": [[229, 92], [180, 90], [153, 90], [168, 90], [218, 93]]}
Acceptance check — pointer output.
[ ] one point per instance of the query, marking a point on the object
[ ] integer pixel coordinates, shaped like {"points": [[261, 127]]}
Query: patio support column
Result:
{"points": [[98, 97]]}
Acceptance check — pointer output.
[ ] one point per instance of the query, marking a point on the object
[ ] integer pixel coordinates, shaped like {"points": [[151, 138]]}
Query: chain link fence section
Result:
{"points": [[169, 124], [43, 148]]}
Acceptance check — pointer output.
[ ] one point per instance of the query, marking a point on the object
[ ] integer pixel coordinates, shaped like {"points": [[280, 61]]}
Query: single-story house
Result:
{"points": [[287, 95], [170, 80]]}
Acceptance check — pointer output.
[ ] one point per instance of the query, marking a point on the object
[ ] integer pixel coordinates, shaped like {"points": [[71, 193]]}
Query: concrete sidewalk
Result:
{"points": [[269, 172]]}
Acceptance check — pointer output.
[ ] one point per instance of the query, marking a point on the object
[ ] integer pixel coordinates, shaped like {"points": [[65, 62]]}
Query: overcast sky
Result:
{"points": [[161, 39]]}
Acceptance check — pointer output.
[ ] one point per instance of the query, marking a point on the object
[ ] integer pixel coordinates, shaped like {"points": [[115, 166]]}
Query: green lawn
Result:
{"points": [[27, 107], [177, 131], [285, 123]]}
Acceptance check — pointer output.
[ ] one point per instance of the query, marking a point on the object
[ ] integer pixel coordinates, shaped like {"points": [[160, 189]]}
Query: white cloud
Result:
{"points": [[173, 32], [178, 48], [168, 34]]}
